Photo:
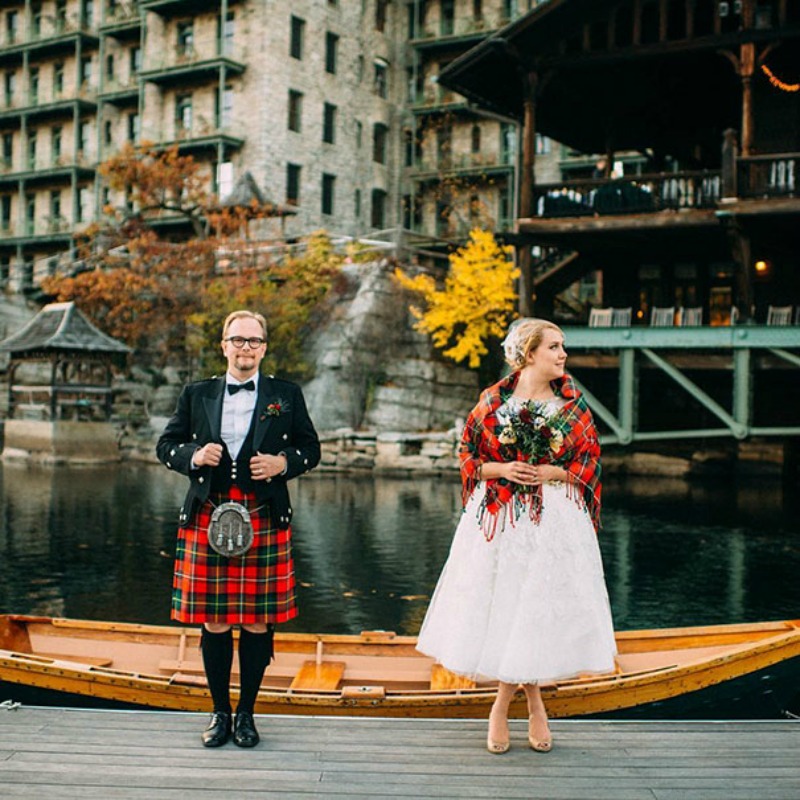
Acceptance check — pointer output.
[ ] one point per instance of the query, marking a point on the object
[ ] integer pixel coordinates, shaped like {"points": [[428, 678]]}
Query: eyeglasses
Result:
{"points": [[254, 342]]}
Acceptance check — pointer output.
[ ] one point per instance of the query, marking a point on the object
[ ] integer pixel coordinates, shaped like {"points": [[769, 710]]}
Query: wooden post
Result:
{"points": [[729, 144], [526, 186], [747, 65], [741, 251]]}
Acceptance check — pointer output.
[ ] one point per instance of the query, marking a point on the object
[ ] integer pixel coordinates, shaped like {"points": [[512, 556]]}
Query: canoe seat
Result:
{"points": [[323, 675], [92, 661], [442, 679]]}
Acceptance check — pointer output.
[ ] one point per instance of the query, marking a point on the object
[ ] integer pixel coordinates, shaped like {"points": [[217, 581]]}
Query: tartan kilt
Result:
{"points": [[258, 586]]}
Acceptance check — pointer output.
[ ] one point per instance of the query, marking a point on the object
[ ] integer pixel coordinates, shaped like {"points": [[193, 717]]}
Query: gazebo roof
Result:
{"points": [[246, 193], [61, 327]]}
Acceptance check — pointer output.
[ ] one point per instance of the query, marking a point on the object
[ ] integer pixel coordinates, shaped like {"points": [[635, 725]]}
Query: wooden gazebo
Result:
{"points": [[80, 359]]}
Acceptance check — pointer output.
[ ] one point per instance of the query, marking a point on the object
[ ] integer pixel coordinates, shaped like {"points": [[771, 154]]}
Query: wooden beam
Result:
{"points": [[747, 66]]}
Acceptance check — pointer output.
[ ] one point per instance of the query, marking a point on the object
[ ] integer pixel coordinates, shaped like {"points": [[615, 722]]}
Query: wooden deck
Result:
{"points": [[62, 753]]}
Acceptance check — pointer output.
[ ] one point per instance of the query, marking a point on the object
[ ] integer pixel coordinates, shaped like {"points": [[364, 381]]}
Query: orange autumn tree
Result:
{"points": [[475, 303], [143, 289]]}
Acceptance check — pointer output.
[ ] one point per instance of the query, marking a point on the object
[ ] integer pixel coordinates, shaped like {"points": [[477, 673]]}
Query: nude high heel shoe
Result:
{"points": [[539, 745]]}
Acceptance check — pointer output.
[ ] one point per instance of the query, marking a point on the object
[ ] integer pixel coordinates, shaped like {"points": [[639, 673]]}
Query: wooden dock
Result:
{"points": [[64, 753]]}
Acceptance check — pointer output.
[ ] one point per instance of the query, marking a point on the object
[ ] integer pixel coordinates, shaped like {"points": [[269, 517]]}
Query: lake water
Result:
{"points": [[97, 543]]}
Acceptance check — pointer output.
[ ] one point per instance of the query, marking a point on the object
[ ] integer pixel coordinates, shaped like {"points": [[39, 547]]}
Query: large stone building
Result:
{"points": [[332, 106]]}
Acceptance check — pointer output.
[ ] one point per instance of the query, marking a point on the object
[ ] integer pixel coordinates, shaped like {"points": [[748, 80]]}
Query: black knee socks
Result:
{"points": [[255, 653], [217, 650]]}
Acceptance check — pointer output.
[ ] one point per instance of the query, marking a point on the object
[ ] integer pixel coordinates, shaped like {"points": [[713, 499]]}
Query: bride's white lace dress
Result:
{"points": [[529, 605]]}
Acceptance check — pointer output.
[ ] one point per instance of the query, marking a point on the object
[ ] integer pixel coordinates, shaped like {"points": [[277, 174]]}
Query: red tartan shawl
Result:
{"points": [[579, 455]]}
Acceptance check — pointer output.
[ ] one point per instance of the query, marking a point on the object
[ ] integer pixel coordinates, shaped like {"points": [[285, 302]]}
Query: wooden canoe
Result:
{"points": [[721, 671]]}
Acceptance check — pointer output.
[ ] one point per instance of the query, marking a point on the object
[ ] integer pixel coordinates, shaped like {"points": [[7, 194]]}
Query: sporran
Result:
{"points": [[230, 532]]}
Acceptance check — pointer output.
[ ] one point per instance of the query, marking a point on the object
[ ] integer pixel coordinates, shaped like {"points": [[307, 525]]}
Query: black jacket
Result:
{"points": [[282, 425]]}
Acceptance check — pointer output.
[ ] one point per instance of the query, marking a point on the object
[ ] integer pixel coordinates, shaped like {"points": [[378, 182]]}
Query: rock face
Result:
{"points": [[373, 369]]}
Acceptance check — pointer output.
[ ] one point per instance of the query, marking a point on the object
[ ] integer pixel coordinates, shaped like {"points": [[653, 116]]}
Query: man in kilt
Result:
{"points": [[239, 439]]}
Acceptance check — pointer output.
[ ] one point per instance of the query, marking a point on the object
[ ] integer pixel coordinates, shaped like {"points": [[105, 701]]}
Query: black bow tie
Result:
{"points": [[234, 387]]}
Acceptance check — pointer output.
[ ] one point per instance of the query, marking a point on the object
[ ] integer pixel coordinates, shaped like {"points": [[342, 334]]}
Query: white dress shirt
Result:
{"points": [[237, 414]]}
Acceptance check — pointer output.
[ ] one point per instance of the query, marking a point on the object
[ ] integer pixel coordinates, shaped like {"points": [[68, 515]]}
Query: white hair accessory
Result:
{"points": [[514, 344]]}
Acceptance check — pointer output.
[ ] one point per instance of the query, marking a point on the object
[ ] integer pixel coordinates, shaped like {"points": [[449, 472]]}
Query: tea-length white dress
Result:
{"points": [[530, 604]]}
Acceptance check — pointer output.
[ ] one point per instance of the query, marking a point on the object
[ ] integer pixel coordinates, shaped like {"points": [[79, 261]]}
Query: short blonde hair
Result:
{"points": [[525, 335], [244, 314]]}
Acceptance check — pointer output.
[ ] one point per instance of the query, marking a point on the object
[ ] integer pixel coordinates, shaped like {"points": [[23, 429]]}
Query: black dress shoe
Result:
{"points": [[218, 731], [244, 730]]}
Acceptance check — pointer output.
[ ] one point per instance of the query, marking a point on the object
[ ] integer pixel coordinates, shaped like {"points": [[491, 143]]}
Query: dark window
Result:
{"points": [[379, 137], [32, 149], [136, 60], [34, 84], [296, 37], [110, 67], [329, 124], [225, 34], [55, 209], [30, 212], [185, 38], [475, 139], [381, 80], [36, 19], [295, 110], [357, 204], [108, 131], [61, 15], [58, 78], [8, 149], [12, 27], [10, 87], [86, 70], [359, 133], [183, 113], [5, 212], [87, 12], [509, 10], [133, 128], [448, 17], [477, 9], [378, 216], [328, 186], [408, 148], [56, 142], [293, 184], [331, 47], [380, 15]]}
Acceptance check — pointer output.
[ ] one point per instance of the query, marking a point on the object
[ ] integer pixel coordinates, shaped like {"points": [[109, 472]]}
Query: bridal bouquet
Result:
{"points": [[538, 437]]}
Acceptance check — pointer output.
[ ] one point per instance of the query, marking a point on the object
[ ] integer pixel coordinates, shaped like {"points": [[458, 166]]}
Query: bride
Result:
{"points": [[522, 597]]}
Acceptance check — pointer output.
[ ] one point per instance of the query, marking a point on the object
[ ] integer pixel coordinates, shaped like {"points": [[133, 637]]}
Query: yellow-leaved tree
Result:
{"points": [[475, 303]]}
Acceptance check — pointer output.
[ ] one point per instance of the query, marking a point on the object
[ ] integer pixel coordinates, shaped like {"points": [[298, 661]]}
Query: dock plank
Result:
{"points": [[69, 753]]}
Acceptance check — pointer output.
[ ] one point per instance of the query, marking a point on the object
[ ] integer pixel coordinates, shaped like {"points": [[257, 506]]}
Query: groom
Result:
{"points": [[239, 439]]}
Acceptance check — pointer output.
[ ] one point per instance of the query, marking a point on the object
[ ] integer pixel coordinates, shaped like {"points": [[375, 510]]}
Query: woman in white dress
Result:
{"points": [[522, 597]]}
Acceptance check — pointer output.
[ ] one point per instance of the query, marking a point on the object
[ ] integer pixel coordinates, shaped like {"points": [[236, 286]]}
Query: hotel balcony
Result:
{"points": [[62, 39], [458, 33], [194, 68], [202, 142], [65, 108], [471, 165], [438, 100], [57, 172], [178, 8], [45, 231], [119, 94], [124, 24]]}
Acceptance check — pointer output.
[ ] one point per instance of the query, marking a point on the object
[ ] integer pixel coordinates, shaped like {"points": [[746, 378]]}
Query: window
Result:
{"points": [[10, 87], [58, 78], [30, 213], [293, 184], [135, 60], [8, 149], [508, 143], [444, 146], [55, 144], [84, 204], [183, 113], [329, 124], [381, 79], [34, 85], [108, 131], [84, 134], [475, 139], [5, 212], [61, 15], [296, 36], [225, 33], [408, 148], [328, 186], [133, 129], [55, 209], [295, 110], [223, 111], [379, 137], [185, 37], [32, 150], [448, 17], [36, 19], [361, 65], [509, 10], [87, 12], [110, 67], [477, 9], [86, 70], [378, 217], [331, 48], [359, 133], [357, 204], [223, 178], [542, 145], [380, 14], [12, 27]]}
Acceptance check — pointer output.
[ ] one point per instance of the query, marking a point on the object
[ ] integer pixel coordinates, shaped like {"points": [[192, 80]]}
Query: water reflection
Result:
{"points": [[98, 543]]}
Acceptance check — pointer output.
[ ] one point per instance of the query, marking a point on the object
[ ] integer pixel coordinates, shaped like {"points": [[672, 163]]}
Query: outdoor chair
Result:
{"points": [[662, 317], [621, 317], [779, 315], [690, 317], [600, 317]]}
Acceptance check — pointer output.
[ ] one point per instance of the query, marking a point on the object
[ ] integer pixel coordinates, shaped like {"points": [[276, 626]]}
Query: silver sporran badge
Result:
{"points": [[230, 532]]}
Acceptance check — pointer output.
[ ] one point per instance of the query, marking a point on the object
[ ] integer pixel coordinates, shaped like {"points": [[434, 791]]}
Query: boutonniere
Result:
{"points": [[274, 410]]}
